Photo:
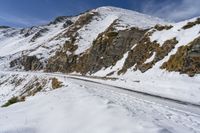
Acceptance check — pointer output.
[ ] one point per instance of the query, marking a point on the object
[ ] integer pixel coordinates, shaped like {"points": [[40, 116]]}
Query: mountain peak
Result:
{"points": [[129, 17]]}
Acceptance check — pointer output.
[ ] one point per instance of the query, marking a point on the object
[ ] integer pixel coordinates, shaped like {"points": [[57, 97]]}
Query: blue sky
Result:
{"points": [[23, 13]]}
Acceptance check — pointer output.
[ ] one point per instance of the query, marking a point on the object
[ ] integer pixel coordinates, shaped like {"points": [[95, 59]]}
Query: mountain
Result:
{"points": [[109, 42], [101, 61], [43, 41]]}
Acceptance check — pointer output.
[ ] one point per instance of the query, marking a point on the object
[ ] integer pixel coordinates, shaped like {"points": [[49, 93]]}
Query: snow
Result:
{"points": [[89, 33], [69, 109], [84, 107], [107, 15], [160, 82], [115, 68], [13, 42], [128, 18], [15, 84], [183, 36], [42, 46], [151, 58], [154, 81]]}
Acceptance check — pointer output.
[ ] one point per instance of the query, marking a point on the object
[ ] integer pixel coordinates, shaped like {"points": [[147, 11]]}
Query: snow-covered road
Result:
{"points": [[168, 114], [152, 98], [83, 106]]}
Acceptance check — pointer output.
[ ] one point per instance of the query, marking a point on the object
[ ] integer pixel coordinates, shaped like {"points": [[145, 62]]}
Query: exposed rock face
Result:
{"points": [[82, 20], [59, 19], [107, 49], [64, 59], [28, 62], [38, 34], [61, 62], [144, 50], [28, 31], [186, 60], [161, 27], [67, 23], [110, 47], [191, 24]]}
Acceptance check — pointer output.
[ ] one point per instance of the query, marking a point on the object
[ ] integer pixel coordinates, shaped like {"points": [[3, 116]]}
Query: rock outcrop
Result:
{"points": [[191, 24], [144, 50], [106, 50], [186, 60], [27, 62]]}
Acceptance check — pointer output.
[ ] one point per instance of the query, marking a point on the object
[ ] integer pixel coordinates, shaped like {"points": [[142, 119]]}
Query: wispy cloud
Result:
{"points": [[21, 21], [173, 10]]}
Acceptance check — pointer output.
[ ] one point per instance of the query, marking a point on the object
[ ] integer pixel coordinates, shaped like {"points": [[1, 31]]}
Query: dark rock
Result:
{"points": [[31, 63], [28, 62], [28, 31], [39, 34], [15, 63], [67, 23], [62, 61], [110, 47], [59, 19], [144, 50], [191, 24], [195, 50], [107, 49], [186, 60], [161, 27]]}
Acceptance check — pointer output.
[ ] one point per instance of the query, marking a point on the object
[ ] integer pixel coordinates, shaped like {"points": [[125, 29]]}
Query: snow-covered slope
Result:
{"points": [[128, 18], [106, 41], [183, 36], [44, 40], [111, 42], [110, 45], [108, 15], [69, 109], [40, 40], [160, 81]]}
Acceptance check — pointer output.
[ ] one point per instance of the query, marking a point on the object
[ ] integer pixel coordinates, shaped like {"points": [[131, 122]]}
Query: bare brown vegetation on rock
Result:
{"points": [[186, 60], [191, 24], [162, 27], [56, 83], [144, 50]]}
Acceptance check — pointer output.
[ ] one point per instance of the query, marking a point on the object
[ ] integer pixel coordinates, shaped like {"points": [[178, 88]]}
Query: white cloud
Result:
{"points": [[175, 11]]}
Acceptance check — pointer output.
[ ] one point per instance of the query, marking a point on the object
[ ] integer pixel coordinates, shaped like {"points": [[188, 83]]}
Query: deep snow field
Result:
{"points": [[82, 107]]}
